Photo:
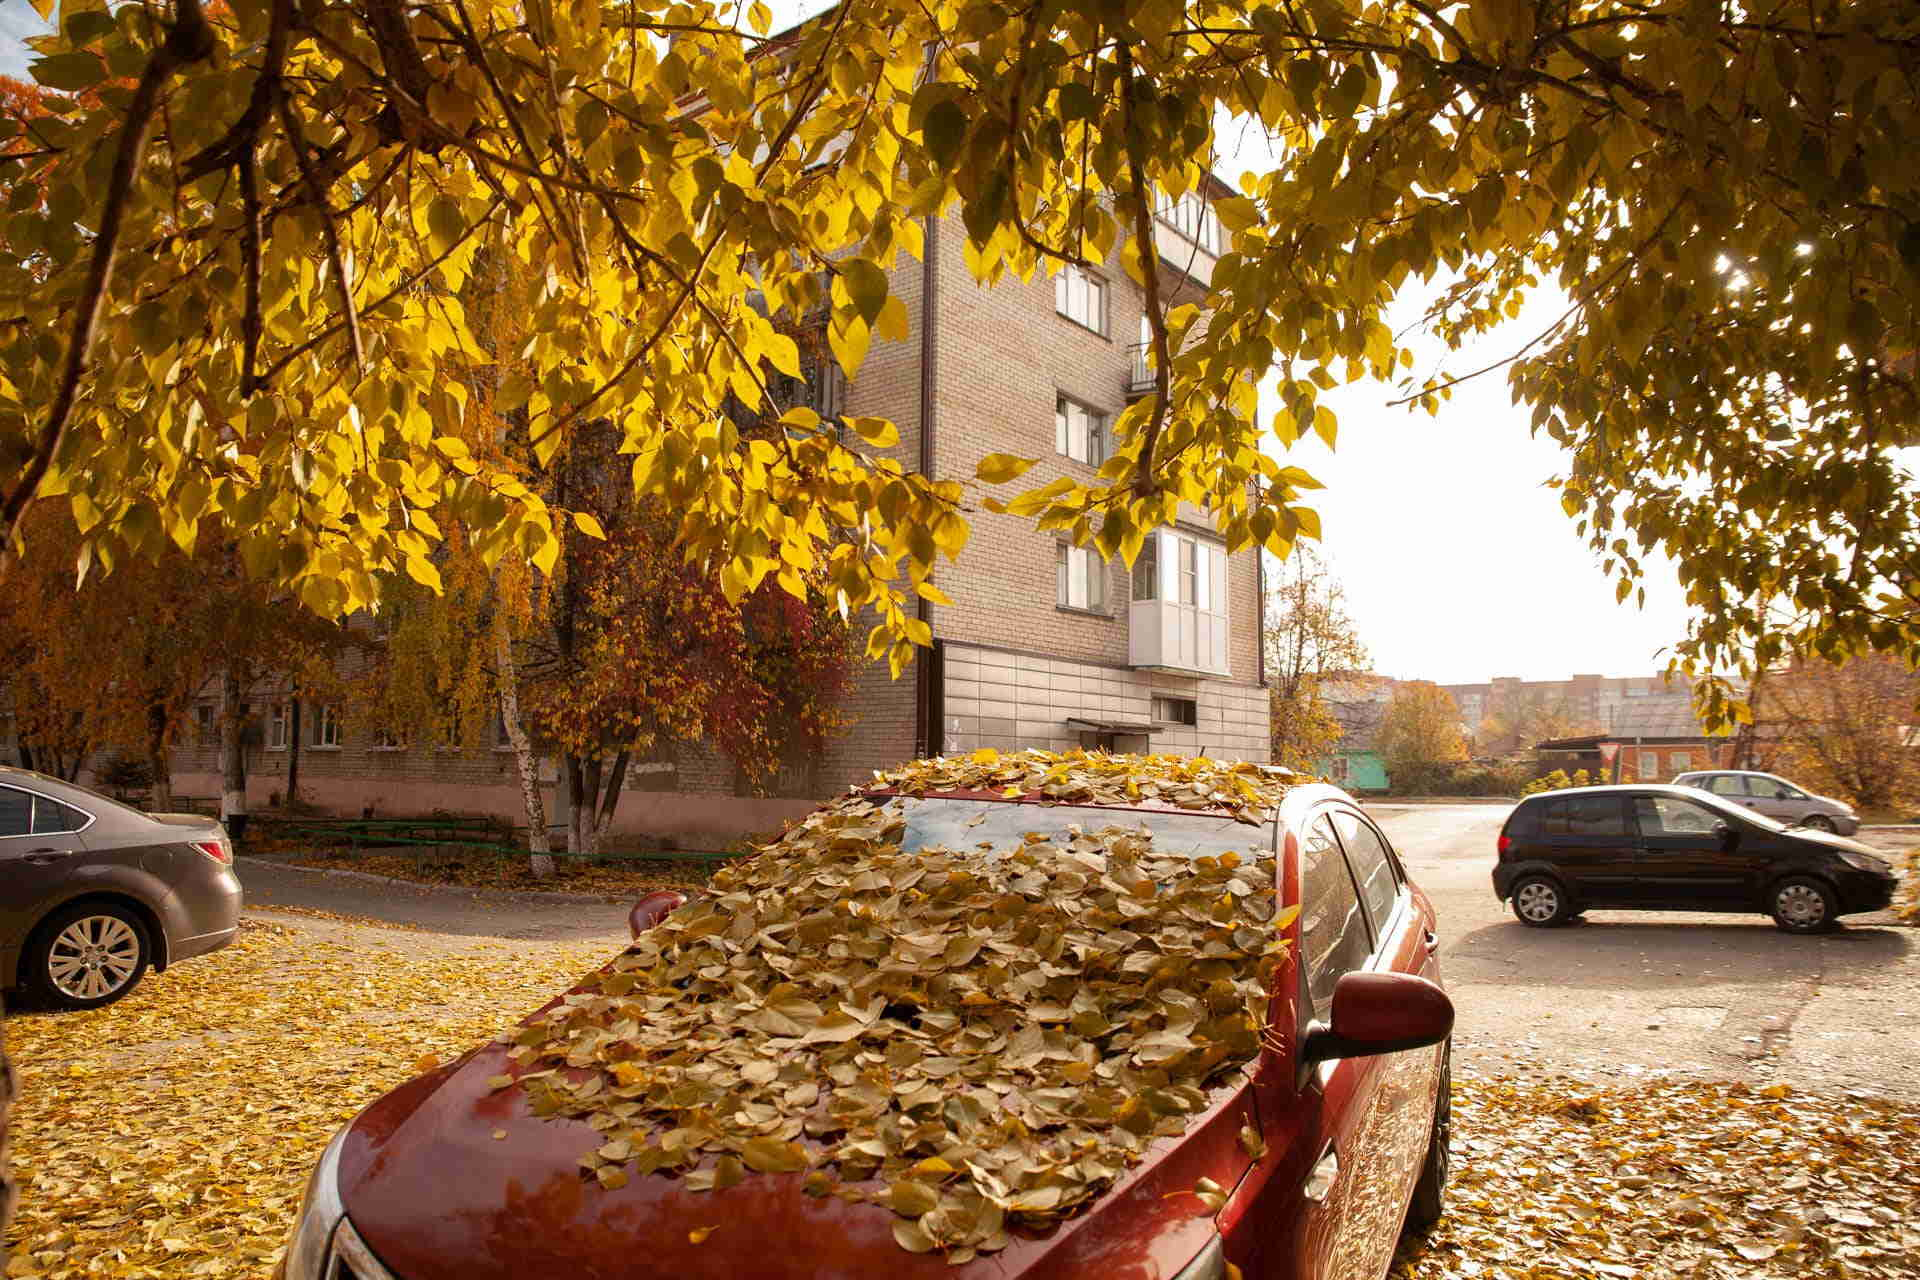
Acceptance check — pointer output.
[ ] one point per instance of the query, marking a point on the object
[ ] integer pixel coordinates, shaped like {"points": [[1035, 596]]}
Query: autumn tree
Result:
{"points": [[218, 307], [1847, 728], [1309, 636], [1517, 717], [1420, 728], [97, 661]]}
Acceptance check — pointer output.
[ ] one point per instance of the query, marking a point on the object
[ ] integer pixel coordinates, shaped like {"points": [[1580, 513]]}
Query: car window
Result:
{"points": [[50, 816], [1584, 816], [1333, 929], [1778, 789], [1727, 784], [1671, 816], [959, 824], [16, 812], [1372, 865]]}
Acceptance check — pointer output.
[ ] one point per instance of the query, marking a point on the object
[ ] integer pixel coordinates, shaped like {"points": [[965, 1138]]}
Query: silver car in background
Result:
{"points": [[93, 893], [1777, 798]]}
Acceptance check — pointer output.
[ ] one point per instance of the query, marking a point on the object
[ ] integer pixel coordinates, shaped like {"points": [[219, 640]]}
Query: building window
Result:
{"points": [[203, 727], [385, 739], [1176, 710], [1682, 761], [1193, 217], [1079, 432], [1179, 570], [326, 727], [277, 728], [1649, 766], [1082, 298], [1082, 578]]}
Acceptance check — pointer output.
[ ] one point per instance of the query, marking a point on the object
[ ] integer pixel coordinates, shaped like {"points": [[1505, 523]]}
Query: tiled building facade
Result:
{"points": [[1042, 645]]}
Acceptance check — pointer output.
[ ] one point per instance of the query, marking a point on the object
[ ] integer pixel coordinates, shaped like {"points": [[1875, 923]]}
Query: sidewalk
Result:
{"points": [[490, 913]]}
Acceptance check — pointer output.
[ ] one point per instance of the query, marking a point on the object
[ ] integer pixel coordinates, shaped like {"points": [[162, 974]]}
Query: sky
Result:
{"points": [[1457, 561]]}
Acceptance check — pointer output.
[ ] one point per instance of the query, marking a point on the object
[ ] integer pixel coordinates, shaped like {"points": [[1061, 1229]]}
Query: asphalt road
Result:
{"points": [[1637, 994]]}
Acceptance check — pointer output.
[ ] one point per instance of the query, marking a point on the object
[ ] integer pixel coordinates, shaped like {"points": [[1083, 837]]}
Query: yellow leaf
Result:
{"points": [[699, 1235]]}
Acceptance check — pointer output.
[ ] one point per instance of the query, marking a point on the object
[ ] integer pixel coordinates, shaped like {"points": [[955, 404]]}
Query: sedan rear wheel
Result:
{"points": [[1540, 902], [1802, 904], [88, 955]]}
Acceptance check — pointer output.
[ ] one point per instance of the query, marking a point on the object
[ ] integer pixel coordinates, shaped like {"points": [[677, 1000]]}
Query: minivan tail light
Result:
{"points": [[1506, 843], [215, 849]]}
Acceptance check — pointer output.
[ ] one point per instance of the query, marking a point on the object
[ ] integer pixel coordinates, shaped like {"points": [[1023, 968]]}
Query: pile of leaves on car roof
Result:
{"points": [[973, 1037], [1248, 791]]}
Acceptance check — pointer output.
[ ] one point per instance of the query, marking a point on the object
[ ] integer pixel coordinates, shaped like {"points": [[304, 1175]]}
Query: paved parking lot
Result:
{"points": [[1630, 994]]}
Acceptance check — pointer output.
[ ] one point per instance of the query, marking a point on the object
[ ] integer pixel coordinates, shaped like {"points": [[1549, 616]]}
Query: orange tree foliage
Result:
{"points": [[95, 662], [641, 647]]}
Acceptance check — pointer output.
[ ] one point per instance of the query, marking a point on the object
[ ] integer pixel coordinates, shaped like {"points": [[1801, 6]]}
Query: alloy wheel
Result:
{"points": [[93, 957], [1818, 822], [1537, 901], [1800, 905]]}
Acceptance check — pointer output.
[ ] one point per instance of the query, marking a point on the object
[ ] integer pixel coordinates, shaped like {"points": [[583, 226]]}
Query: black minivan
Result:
{"points": [[1658, 848]]}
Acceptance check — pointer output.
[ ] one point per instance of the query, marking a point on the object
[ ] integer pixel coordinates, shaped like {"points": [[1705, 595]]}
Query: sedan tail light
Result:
{"points": [[215, 849]]}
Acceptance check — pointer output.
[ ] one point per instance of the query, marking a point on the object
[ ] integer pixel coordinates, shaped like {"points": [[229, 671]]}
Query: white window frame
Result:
{"points": [[326, 727], [277, 721], [1077, 424], [385, 739], [1080, 571], [1081, 296], [1192, 218]]}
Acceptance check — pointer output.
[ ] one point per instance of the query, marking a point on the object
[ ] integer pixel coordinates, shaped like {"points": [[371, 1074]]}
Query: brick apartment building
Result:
{"points": [[1044, 645]]}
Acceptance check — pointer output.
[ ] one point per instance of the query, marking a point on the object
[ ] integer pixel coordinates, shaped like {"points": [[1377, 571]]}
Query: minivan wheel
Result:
{"points": [[1818, 822], [1430, 1193], [1540, 902], [87, 955], [1802, 904]]}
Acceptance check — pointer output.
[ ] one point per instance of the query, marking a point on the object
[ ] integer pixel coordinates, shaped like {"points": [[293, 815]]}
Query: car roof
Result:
{"points": [[1616, 789]]}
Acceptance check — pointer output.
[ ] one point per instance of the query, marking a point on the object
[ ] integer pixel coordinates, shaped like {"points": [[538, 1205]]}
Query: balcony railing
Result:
{"points": [[1139, 370]]}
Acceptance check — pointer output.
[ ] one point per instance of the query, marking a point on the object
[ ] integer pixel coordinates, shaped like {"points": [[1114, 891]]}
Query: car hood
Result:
{"points": [[1827, 841], [446, 1177]]}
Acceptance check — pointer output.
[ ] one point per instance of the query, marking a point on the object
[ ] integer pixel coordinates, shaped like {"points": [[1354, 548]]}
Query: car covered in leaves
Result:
{"points": [[1027, 1015]]}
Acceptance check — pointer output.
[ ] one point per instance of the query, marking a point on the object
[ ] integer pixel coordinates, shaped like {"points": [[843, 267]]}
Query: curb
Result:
{"points": [[500, 895]]}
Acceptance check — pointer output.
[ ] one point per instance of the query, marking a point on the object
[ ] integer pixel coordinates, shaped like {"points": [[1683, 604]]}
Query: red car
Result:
{"points": [[1304, 1159]]}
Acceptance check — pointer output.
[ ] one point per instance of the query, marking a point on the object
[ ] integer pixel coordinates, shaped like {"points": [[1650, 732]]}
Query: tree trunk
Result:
{"points": [[293, 754], [161, 800], [233, 754], [609, 800], [529, 765]]}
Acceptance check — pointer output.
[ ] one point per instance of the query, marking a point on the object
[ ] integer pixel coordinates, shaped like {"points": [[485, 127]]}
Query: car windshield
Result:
{"points": [[957, 824], [1732, 810]]}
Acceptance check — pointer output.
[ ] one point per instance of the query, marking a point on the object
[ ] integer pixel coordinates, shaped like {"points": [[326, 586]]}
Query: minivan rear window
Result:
{"points": [[1584, 816]]}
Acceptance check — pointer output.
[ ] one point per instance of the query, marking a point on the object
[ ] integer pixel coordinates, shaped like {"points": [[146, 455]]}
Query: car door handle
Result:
{"points": [[1326, 1172], [42, 857], [1432, 941]]}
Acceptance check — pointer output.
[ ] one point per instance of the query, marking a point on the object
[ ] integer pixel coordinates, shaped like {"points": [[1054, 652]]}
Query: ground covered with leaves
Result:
{"points": [[170, 1135], [611, 877], [1557, 1178]]}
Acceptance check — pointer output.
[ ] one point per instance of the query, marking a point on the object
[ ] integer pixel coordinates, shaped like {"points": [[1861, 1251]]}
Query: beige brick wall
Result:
{"points": [[1010, 700]]}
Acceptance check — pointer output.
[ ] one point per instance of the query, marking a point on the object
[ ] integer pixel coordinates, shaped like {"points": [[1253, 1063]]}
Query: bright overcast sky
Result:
{"points": [[1457, 561]]}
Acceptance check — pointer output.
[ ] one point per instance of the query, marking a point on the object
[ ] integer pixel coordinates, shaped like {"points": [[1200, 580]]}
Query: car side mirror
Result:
{"points": [[653, 908], [1375, 1013], [1728, 833]]}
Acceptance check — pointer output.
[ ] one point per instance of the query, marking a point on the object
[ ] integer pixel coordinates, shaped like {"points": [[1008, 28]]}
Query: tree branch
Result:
{"points": [[1143, 484], [189, 40]]}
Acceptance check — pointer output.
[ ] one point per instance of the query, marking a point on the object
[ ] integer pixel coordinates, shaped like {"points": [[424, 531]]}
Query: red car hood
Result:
{"points": [[437, 1196]]}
